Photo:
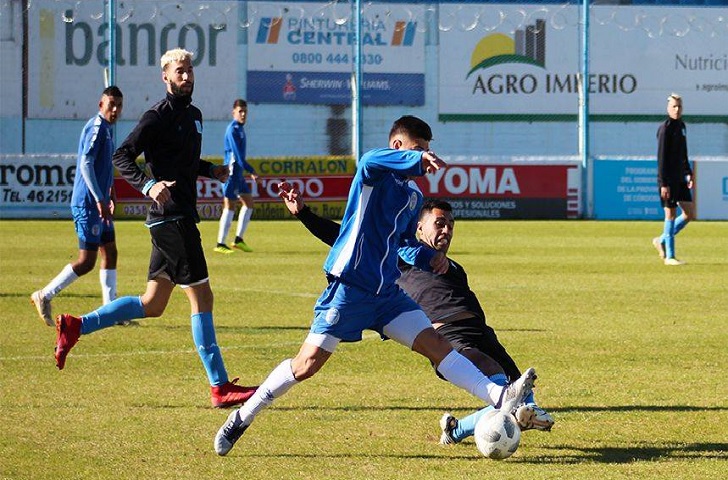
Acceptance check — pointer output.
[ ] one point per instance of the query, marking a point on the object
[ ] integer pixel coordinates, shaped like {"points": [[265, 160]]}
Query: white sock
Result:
{"points": [[461, 372], [243, 220], [279, 381], [108, 285], [62, 280], [226, 219]]}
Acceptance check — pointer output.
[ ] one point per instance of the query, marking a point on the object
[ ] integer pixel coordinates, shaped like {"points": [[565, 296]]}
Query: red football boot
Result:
{"points": [[68, 330], [229, 394]]}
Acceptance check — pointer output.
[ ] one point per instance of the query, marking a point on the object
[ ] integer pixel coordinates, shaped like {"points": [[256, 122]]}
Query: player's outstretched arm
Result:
{"points": [[322, 228]]}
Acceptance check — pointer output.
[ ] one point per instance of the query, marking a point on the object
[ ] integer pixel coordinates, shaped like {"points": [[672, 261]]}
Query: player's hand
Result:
{"points": [[160, 191], [104, 210], [691, 181], [254, 178], [291, 197], [665, 193], [221, 172], [439, 263], [431, 162], [112, 206]]}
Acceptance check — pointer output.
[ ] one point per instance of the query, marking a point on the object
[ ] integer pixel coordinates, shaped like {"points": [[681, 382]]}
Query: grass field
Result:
{"points": [[632, 359]]}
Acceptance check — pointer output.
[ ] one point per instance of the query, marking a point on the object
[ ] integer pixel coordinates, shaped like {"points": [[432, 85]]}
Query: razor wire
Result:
{"points": [[444, 17]]}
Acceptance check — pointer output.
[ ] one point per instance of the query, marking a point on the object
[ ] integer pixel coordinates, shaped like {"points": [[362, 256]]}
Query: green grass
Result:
{"points": [[632, 359]]}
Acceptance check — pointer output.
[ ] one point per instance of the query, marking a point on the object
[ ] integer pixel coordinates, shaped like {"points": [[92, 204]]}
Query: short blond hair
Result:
{"points": [[674, 96], [175, 55]]}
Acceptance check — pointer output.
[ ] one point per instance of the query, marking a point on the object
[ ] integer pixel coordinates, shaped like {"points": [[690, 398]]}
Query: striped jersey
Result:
{"points": [[380, 222], [94, 170]]}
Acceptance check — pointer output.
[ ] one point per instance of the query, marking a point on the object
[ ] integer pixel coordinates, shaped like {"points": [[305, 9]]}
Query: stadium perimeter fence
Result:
{"points": [[501, 83]]}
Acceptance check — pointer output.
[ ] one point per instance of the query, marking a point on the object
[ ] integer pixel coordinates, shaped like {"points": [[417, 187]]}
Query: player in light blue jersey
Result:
{"points": [[92, 207], [236, 188], [379, 224]]}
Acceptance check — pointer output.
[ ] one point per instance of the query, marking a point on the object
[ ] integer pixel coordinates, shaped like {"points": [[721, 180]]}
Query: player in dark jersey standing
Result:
{"points": [[170, 137], [449, 303], [675, 179]]}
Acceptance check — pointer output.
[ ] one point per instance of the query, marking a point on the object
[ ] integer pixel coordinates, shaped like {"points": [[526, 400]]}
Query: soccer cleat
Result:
{"points": [[229, 394], [514, 393], [68, 331], [241, 245], [229, 433], [657, 243], [224, 249], [673, 262], [448, 423], [531, 416], [43, 307]]}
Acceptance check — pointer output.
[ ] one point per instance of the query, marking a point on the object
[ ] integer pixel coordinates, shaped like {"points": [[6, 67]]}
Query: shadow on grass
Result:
{"points": [[563, 454], [626, 454], [409, 408]]}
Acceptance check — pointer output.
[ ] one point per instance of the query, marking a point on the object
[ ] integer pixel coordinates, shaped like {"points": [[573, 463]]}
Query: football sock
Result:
{"points": [[121, 309], [466, 426], [279, 381], [461, 372], [680, 223], [108, 285], [62, 280], [203, 334], [226, 219], [668, 236], [243, 220]]}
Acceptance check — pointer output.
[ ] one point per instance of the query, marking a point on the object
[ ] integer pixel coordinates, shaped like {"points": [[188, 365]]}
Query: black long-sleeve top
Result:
{"points": [[672, 153], [170, 136], [440, 296]]}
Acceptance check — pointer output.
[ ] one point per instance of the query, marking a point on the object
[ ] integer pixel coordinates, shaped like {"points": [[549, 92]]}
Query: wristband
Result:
{"points": [[148, 186]]}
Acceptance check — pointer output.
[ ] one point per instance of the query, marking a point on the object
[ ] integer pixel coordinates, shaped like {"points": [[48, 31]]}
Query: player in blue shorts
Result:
{"points": [[449, 303], [92, 207], [236, 188], [379, 225]]}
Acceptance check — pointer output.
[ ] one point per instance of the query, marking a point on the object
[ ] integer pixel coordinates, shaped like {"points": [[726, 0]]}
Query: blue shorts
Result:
{"points": [[344, 311], [91, 229], [235, 184]]}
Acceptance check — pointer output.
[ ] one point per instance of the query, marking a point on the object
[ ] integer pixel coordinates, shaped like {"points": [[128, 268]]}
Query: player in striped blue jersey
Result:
{"points": [[92, 206], [379, 225]]}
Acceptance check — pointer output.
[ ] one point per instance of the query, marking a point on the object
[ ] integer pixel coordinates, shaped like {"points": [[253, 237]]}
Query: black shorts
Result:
{"points": [[177, 253], [474, 333], [678, 193]]}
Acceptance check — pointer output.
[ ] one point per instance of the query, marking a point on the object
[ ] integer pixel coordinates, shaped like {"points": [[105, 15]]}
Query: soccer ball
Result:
{"points": [[497, 435]]}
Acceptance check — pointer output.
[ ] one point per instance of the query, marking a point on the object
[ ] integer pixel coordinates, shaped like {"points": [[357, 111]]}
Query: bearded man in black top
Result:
{"points": [[449, 303], [170, 137]]}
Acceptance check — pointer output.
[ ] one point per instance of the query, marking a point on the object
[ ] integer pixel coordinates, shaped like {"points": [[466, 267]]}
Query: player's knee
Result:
{"points": [[303, 369], [153, 307], [84, 266]]}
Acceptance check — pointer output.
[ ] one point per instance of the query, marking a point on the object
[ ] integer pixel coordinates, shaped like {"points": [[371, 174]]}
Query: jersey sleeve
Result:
{"points": [[237, 143], [93, 138], [661, 152], [124, 158], [375, 163], [324, 229], [414, 252]]}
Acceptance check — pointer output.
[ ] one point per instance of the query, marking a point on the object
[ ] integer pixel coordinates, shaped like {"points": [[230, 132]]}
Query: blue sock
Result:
{"points": [[680, 223], [668, 236], [121, 309], [203, 334], [466, 426]]}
